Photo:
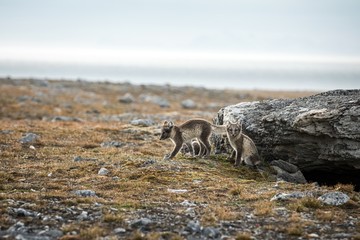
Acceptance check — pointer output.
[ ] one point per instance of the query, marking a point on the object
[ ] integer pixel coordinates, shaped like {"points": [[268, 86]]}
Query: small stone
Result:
{"points": [[65, 119], [21, 212], [103, 171], [187, 203], [142, 122], [127, 98], [193, 227], [77, 159], [17, 227], [287, 196], [313, 235], [148, 162], [141, 223], [341, 236], [6, 131], [188, 104], [52, 233], [83, 216], [29, 138], [177, 190], [119, 230], [211, 232], [112, 144], [80, 159], [85, 193], [162, 102], [334, 198], [190, 212]]}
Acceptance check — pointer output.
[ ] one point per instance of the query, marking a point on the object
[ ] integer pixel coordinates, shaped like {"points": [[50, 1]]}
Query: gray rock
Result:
{"points": [[103, 171], [21, 212], [287, 196], [28, 98], [187, 203], [85, 193], [66, 119], [193, 227], [127, 98], [29, 138], [188, 104], [119, 230], [148, 162], [287, 172], [80, 159], [52, 233], [211, 233], [141, 223], [17, 227], [6, 131], [162, 102], [112, 144], [316, 133], [334, 198], [142, 122], [84, 215]]}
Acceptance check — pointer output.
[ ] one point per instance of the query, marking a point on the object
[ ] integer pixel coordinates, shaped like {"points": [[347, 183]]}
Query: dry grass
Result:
{"points": [[139, 179], [243, 236], [263, 208]]}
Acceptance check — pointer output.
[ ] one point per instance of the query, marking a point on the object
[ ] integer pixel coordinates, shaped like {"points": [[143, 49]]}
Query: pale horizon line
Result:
{"points": [[163, 58]]}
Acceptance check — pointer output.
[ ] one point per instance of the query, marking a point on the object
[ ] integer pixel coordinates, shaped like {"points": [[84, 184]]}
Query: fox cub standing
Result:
{"points": [[244, 148], [184, 133]]}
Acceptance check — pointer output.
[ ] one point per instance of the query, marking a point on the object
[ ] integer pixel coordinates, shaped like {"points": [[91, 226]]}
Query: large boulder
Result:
{"points": [[316, 133]]}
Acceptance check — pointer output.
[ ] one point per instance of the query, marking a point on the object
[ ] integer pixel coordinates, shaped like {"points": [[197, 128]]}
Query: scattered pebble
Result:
{"points": [[313, 235], [141, 223], [211, 233], [188, 104], [6, 131], [29, 138], [187, 203], [80, 159], [112, 144], [287, 196], [66, 119], [142, 122], [162, 102], [193, 227], [103, 171], [177, 190], [119, 230], [85, 193], [334, 198], [21, 212], [127, 98]]}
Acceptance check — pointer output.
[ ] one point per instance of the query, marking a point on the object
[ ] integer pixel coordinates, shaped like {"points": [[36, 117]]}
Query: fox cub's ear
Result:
{"points": [[168, 124]]}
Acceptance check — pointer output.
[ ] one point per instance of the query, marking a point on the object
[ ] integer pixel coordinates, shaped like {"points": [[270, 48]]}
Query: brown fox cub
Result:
{"points": [[184, 133], [244, 148]]}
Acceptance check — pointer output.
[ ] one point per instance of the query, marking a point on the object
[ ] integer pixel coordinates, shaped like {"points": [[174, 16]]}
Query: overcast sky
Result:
{"points": [[189, 31]]}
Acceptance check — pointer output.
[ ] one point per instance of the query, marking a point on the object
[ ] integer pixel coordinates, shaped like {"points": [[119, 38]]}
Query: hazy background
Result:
{"points": [[273, 44]]}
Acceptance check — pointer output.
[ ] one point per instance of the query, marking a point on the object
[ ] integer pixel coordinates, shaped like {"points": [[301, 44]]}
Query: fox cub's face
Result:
{"points": [[234, 129], [166, 130]]}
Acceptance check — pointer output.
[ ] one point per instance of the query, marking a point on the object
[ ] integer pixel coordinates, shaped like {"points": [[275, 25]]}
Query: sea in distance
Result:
{"points": [[294, 77]]}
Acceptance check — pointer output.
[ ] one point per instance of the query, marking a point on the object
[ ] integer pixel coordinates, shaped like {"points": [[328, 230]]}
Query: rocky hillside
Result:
{"points": [[83, 160]]}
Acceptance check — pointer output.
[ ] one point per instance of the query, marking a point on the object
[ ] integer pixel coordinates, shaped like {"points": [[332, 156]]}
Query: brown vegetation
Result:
{"points": [[43, 174]]}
